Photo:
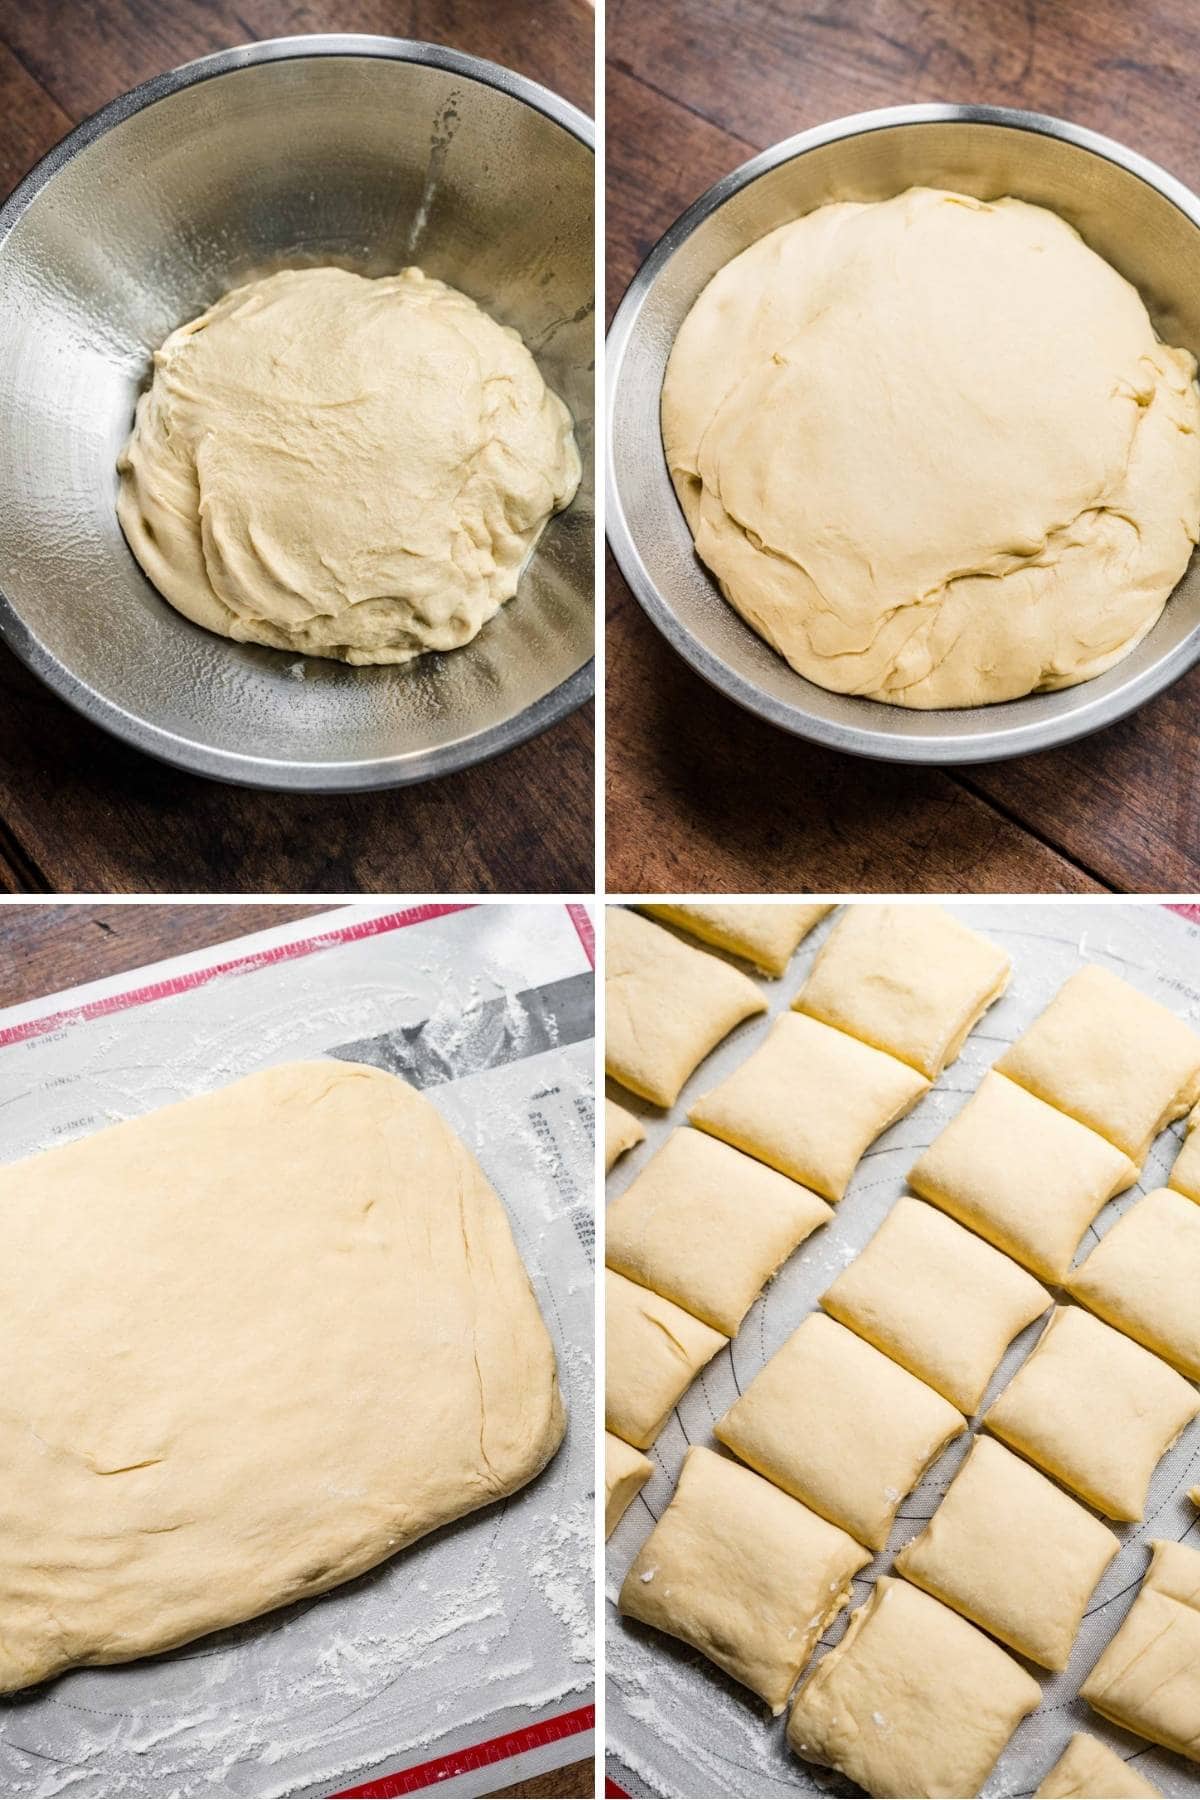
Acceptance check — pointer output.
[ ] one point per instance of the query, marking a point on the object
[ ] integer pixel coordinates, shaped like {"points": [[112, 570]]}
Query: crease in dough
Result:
{"points": [[1148, 1679]]}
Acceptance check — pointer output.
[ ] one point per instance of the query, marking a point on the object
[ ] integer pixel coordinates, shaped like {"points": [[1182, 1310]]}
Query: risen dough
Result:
{"points": [[1144, 1277], [1185, 1175], [1089, 1770], [626, 1472], [765, 935], [653, 1352], [343, 467], [249, 1346], [933, 450], [621, 1132], [1148, 1679]]}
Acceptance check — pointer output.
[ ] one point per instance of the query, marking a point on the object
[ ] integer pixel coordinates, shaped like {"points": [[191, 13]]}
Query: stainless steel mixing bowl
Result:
{"points": [[1142, 220], [367, 152]]}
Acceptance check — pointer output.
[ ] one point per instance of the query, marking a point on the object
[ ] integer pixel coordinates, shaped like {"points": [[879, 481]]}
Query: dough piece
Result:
{"points": [[1185, 1176], [932, 449], [937, 1300], [667, 1005], [1144, 1277], [343, 467], [1111, 1058], [621, 1132], [1022, 1175], [626, 1472], [912, 1701], [834, 1422], [746, 1575], [1011, 1551], [765, 935], [1089, 1770], [809, 1102], [1148, 1680], [1095, 1410], [196, 1435], [655, 1350], [910, 980], [708, 1227], [1194, 1496]]}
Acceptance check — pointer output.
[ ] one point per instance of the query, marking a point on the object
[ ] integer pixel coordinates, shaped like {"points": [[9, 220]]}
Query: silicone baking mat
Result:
{"points": [[674, 1724], [466, 1662]]}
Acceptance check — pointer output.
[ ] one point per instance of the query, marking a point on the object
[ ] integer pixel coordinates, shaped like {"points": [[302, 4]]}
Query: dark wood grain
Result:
{"points": [[700, 795], [81, 813]]}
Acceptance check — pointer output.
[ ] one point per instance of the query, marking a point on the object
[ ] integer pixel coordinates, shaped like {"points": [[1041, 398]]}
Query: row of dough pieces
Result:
{"points": [[835, 1375]]}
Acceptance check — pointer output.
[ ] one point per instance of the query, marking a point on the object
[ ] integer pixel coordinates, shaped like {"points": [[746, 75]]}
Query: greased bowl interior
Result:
{"points": [[371, 153], [1143, 221]]}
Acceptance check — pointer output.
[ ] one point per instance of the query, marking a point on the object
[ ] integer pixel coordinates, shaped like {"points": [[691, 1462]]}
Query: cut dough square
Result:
{"points": [[912, 1701], [765, 935], [708, 1227], [1185, 1176], [626, 1472], [1148, 1680], [1022, 1175], [666, 1005], [911, 980], [809, 1102], [937, 1300], [746, 1575], [1089, 1770], [621, 1132], [1144, 1277], [1110, 1057], [654, 1351], [1095, 1410], [836, 1423], [1009, 1550]]}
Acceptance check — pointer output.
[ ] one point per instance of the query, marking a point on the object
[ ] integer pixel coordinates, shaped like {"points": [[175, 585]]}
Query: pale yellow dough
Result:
{"points": [[667, 1005], [626, 1472], [342, 467], [746, 1575], [621, 1132], [250, 1346], [1009, 1550], [911, 980], [839, 1425], [1089, 1770], [913, 1701], [1144, 1277], [937, 1300], [809, 1102], [1185, 1175], [932, 449], [708, 1227], [765, 935], [1095, 1410], [1148, 1679], [653, 1350]]}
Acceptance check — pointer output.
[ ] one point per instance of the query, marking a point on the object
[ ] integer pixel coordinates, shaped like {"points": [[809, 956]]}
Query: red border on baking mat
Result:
{"points": [[585, 928], [612, 1791], [476, 1756], [1192, 913]]}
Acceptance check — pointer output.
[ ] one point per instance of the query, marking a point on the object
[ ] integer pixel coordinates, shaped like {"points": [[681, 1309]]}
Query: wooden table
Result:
{"points": [[45, 948], [81, 813], [700, 794]]}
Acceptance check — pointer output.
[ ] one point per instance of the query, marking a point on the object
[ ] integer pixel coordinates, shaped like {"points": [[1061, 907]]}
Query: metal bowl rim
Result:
{"points": [[236, 767], [875, 743]]}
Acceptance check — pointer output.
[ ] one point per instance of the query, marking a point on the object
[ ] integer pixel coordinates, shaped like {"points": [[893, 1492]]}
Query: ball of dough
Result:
{"points": [[933, 450], [343, 467]]}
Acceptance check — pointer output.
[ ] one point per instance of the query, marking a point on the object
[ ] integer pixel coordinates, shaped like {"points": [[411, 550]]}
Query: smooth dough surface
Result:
{"points": [[1089, 1770], [912, 1701], [1095, 1410], [653, 1352], [343, 467], [1148, 1679], [233, 1369], [809, 1102], [1185, 1175], [743, 1573], [911, 980], [626, 1472], [1111, 1057], [708, 1227], [833, 1421], [932, 449], [937, 1300], [1009, 1550], [621, 1132], [666, 1005], [765, 935], [1144, 1277], [1023, 1175]]}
